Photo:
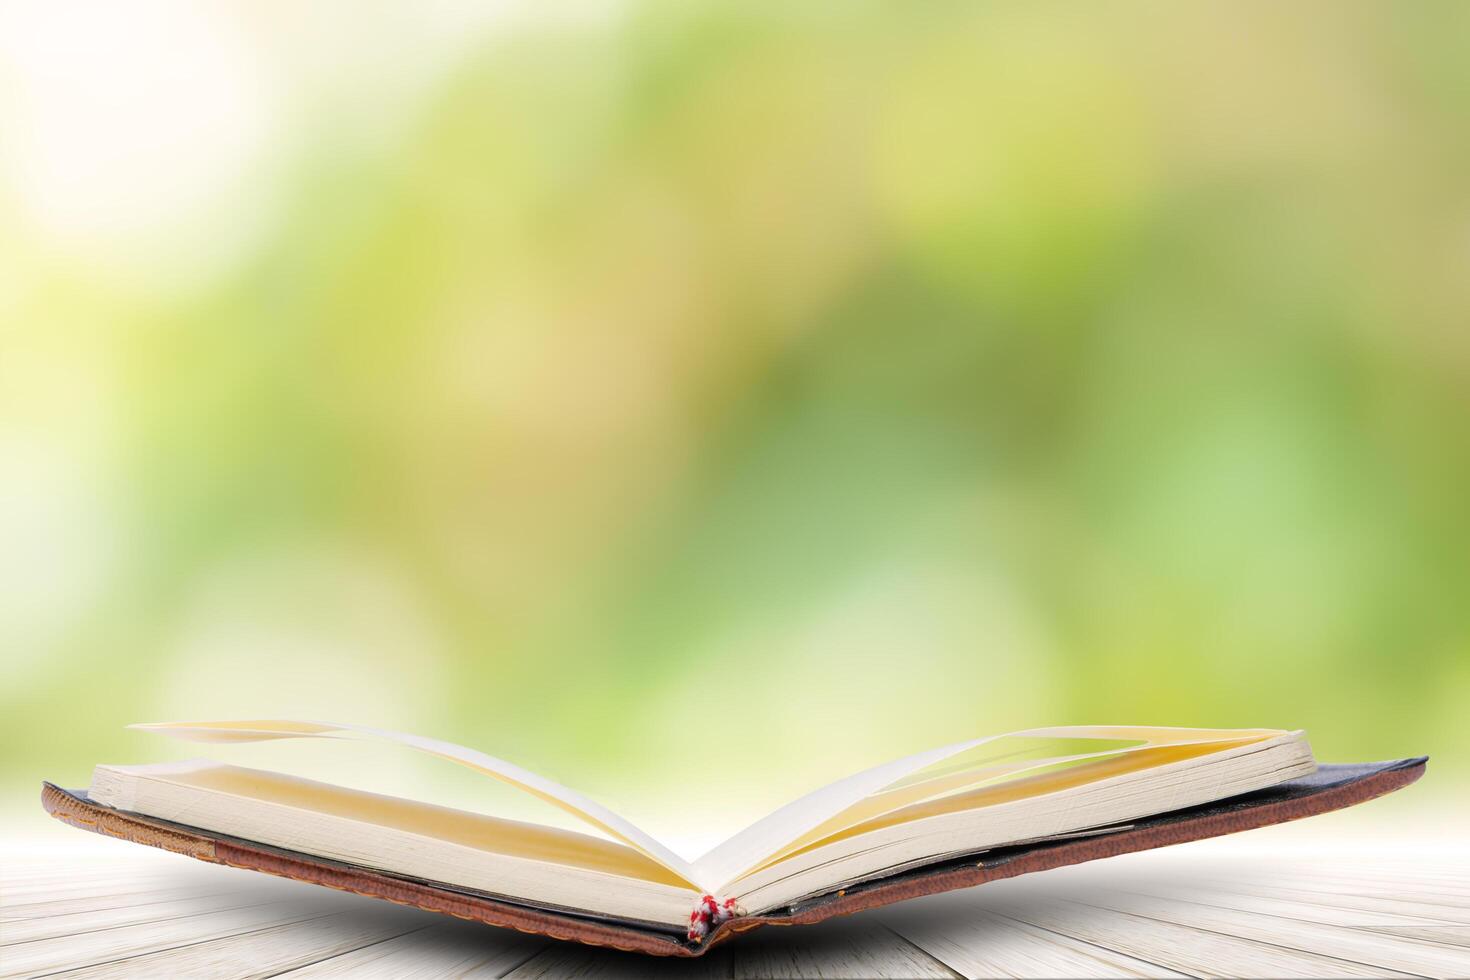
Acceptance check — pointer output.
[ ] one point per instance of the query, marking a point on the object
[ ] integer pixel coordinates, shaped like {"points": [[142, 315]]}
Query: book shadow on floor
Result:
{"points": [[911, 939]]}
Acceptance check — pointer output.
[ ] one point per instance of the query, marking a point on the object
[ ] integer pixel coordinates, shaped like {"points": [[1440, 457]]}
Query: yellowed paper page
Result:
{"points": [[870, 795], [588, 811]]}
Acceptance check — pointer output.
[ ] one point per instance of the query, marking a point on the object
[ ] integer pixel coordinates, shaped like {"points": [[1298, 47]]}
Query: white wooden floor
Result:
{"points": [[108, 909]]}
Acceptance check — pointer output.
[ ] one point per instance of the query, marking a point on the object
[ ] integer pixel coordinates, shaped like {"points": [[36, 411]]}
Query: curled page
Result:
{"points": [[570, 801], [939, 773], [772, 832]]}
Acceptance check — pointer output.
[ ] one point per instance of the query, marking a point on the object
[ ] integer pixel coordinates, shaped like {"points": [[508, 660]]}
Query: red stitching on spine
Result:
{"points": [[709, 914]]}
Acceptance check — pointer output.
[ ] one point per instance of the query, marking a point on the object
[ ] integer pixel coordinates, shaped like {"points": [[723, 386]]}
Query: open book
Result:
{"points": [[962, 800]]}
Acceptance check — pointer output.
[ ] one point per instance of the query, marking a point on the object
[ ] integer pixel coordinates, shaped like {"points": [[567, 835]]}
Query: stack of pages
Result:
{"points": [[962, 799]]}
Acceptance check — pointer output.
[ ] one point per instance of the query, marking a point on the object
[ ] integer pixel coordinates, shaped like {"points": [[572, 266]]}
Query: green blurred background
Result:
{"points": [[733, 395]]}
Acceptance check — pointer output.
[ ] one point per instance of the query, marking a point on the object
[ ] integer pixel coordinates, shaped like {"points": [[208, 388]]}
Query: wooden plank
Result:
{"points": [[1367, 892], [80, 885], [54, 872], [70, 952], [857, 946], [975, 942], [1308, 905], [860, 946], [462, 950], [93, 920], [1346, 902], [1189, 950], [263, 952], [1448, 935], [17, 904], [1372, 949], [568, 960], [104, 899], [1397, 923], [1363, 882]]}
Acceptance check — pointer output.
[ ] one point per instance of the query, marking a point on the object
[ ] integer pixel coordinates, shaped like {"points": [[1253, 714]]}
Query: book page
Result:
{"points": [[118, 786], [568, 800], [854, 800], [1009, 784], [874, 793]]}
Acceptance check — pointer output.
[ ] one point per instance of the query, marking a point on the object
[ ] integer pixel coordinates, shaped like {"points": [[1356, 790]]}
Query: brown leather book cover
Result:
{"points": [[1331, 787]]}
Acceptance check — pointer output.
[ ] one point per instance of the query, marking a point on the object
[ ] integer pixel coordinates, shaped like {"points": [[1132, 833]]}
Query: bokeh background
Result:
{"points": [[699, 401]]}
